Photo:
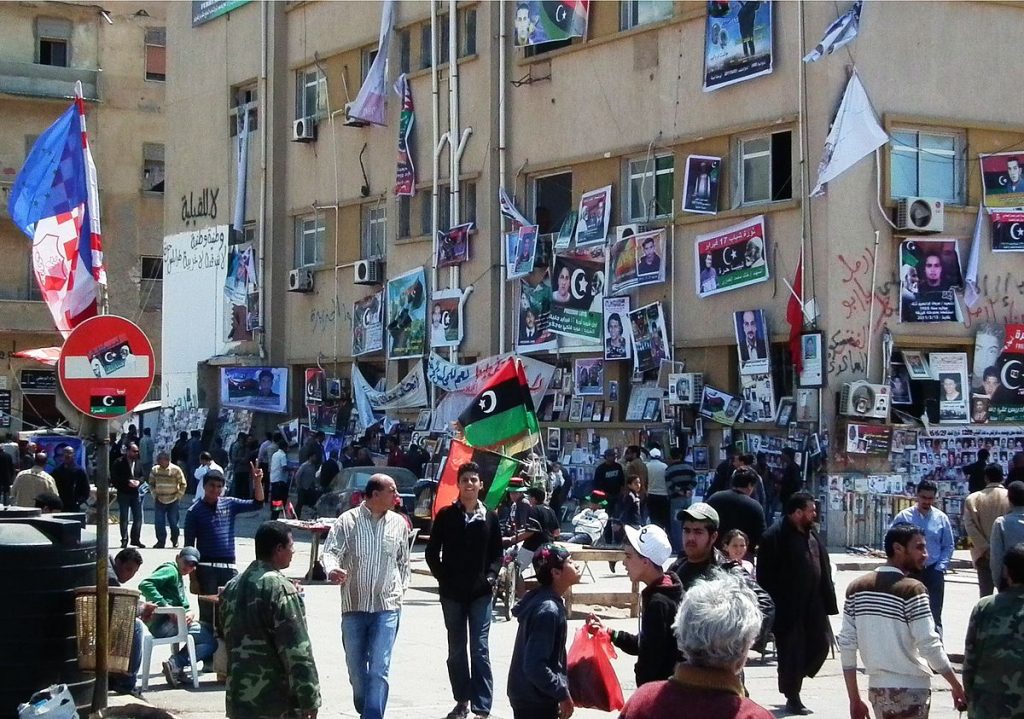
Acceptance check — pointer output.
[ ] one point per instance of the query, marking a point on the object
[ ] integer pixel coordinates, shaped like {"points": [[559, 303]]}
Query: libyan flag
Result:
{"points": [[503, 412], [495, 470]]}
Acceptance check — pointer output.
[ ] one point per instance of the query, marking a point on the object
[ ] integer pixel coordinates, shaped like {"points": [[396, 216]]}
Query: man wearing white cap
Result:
{"points": [[647, 549]]}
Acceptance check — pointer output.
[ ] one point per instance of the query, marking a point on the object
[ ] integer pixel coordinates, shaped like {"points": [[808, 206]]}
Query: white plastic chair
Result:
{"points": [[182, 635]]}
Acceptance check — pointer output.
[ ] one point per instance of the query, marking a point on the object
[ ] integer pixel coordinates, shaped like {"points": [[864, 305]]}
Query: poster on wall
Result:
{"points": [[929, 271], [588, 377], [1007, 403], [1002, 177], [737, 42], [1007, 231], [899, 384], [314, 388], [758, 394], [872, 439], [650, 340], [537, 22], [446, 318], [731, 258], [453, 245], [720, 406], [812, 360], [407, 314], [752, 341], [594, 214], [533, 319], [241, 292], [261, 389], [700, 186], [618, 335], [950, 369], [988, 343], [578, 297], [635, 260], [526, 248], [368, 324]]}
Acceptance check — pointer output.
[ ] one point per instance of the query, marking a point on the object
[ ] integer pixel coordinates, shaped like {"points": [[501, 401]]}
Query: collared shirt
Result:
{"points": [[211, 528], [479, 514], [374, 551], [279, 467], [202, 469], [938, 533]]}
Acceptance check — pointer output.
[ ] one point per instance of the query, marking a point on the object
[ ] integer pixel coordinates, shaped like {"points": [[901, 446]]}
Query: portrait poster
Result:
{"points": [[917, 364], [241, 285], [988, 343], [526, 249], [737, 42], [262, 389], [720, 406], [446, 318], [618, 334], [758, 393], [731, 258], [1007, 230], [650, 339], [368, 324], [577, 301], [1002, 179], [899, 384], [929, 272], [980, 404], [700, 185], [636, 260], [407, 314], [870, 439], [588, 377], [684, 388], [594, 215], [1007, 403], [453, 245], [752, 342], [538, 21], [950, 368], [533, 318], [812, 359]]}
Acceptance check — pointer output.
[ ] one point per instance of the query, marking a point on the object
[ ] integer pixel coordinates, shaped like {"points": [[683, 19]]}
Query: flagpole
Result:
{"points": [[804, 178], [502, 169]]}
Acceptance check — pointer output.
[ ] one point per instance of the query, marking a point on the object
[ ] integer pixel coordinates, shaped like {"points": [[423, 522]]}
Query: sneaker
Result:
{"points": [[171, 674], [461, 711]]}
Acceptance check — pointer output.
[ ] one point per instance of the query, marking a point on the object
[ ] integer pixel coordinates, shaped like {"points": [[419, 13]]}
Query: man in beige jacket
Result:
{"points": [[981, 509], [168, 485], [32, 482]]}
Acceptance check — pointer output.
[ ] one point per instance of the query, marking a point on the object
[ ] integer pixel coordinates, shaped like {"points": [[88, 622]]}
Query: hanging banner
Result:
{"points": [[929, 270], [371, 104], [410, 392], [407, 315], [731, 258], [700, 186], [618, 330], [453, 245], [405, 171], [368, 324], [752, 341], [594, 215], [636, 260], [1002, 178], [578, 296], [1007, 403], [315, 380], [650, 340], [446, 318], [533, 320], [521, 263], [737, 42], [1007, 231], [241, 290], [950, 368], [540, 21]]}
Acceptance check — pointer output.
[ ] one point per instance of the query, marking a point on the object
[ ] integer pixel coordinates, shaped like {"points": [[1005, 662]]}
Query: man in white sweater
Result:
{"points": [[888, 619]]}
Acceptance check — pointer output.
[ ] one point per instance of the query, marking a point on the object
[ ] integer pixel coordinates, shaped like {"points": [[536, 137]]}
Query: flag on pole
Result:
{"points": [[840, 32], [405, 174], [496, 471], [502, 414], [508, 209], [795, 315], [55, 201], [371, 104], [971, 291], [854, 134]]}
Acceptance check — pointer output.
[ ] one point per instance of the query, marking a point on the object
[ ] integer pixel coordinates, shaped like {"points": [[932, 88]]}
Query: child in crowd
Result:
{"points": [[734, 544]]}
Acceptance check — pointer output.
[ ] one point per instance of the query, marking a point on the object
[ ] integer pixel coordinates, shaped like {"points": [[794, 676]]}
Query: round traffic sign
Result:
{"points": [[106, 366]]}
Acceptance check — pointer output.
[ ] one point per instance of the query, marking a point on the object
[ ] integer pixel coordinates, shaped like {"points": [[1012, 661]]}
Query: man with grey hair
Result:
{"points": [[717, 623]]}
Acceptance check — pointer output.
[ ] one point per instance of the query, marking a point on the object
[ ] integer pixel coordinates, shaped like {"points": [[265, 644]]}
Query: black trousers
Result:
{"points": [[210, 579], [658, 510], [535, 711]]}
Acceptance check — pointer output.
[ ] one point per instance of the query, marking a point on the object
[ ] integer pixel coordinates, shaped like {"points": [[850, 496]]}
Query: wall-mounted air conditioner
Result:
{"points": [[368, 272], [920, 214], [300, 280], [304, 130]]}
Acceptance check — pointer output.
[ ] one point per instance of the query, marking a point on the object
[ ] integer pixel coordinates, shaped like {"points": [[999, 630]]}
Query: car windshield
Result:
{"points": [[357, 477]]}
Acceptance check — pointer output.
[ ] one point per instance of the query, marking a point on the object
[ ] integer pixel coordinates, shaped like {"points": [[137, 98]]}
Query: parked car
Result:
{"points": [[346, 491]]}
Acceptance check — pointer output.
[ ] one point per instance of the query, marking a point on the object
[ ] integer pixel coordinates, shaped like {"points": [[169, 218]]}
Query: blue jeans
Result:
{"points": [[368, 638], [202, 635], [163, 515], [128, 503], [476, 687], [935, 582], [124, 683]]}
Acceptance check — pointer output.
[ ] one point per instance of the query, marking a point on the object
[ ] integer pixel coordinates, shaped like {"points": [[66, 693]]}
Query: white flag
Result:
{"points": [[840, 32], [971, 292], [242, 123], [370, 105], [854, 134]]}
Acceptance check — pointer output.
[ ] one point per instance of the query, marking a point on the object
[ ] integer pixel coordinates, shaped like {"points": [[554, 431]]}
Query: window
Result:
{"points": [[467, 41], [309, 241], [442, 42], [650, 182], [243, 97], [552, 201], [310, 94], [151, 282], [152, 167], [53, 41], [405, 216], [765, 168], [404, 50], [368, 56], [642, 12], [374, 226], [53, 52], [929, 164], [444, 208], [156, 54]]}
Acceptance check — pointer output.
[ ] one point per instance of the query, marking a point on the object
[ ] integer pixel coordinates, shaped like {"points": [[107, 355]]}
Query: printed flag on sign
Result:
{"points": [[495, 470], [55, 202], [502, 413]]}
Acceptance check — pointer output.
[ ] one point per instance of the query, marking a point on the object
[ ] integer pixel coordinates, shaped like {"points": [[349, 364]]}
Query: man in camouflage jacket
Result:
{"points": [[994, 653], [271, 672]]}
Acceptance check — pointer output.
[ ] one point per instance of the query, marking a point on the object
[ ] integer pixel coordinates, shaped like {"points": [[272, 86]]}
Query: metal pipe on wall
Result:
{"points": [[502, 160], [453, 133], [264, 29]]}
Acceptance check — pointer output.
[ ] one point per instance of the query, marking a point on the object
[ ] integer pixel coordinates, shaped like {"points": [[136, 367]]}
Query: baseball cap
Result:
{"points": [[655, 453], [702, 512], [190, 555], [650, 541], [516, 484]]}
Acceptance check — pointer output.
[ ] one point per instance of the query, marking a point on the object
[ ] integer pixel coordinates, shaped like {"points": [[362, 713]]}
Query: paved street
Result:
{"points": [[419, 682]]}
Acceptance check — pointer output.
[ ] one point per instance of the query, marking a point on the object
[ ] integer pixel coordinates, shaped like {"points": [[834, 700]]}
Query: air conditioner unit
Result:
{"points": [[367, 272], [920, 214], [300, 280], [304, 130], [864, 400], [353, 121]]}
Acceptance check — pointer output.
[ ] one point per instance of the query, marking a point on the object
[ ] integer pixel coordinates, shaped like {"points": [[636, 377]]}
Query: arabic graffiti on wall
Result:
{"points": [[847, 345], [199, 204], [1001, 301]]}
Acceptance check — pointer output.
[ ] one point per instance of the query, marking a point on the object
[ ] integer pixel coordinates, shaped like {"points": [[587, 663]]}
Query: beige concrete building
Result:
{"points": [[625, 107], [118, 54]]}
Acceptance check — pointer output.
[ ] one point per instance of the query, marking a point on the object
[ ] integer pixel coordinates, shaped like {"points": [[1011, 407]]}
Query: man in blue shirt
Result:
{"points": [[938, 534]]}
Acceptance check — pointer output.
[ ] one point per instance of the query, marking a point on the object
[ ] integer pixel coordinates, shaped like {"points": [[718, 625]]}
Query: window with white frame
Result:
{"points": [[765, 168], [310, 94], [374, 229], [927, 163], [650, 181], [309, 241], [643, 12]]}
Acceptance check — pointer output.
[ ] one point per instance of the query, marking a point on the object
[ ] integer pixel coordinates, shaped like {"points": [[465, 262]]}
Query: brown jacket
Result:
{"points": [[981, 509]]}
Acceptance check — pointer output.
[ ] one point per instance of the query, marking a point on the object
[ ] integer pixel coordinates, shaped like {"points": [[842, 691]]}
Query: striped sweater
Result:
{"points": [[887, 619]]}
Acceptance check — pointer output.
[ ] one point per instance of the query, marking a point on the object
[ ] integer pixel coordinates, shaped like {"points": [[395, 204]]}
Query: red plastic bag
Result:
{"points": [[592, 680]]}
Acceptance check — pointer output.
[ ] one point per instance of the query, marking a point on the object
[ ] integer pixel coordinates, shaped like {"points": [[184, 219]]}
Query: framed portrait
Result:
{"points": [[651, 409], [576, 409], [589, 374], [608, 413], [917, 364], [554, 439], [423, 420], [559, 403], [556, 378], [701, 459], [598, 410], [787, 408], [812, 359], [613, 391], [588, 411]]}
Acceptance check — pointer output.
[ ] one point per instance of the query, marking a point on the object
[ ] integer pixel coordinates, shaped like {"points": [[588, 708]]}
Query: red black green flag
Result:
{"points": [[495, 470], [503, 413]]}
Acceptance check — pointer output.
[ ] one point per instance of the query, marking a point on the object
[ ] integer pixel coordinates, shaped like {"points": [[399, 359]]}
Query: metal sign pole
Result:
{"points": [[99, 428]]}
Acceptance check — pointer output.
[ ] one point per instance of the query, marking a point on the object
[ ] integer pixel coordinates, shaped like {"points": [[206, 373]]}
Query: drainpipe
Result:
{"points": [[502, 159]]}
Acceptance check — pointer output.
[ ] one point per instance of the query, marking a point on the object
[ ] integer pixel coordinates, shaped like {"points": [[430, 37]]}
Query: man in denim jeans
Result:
{"points": [[367, 554], [168, 485]]}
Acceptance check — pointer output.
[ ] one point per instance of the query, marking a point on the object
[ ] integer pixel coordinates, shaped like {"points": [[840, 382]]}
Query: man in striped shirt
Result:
{"points": [[367, 554], [887, 619]]}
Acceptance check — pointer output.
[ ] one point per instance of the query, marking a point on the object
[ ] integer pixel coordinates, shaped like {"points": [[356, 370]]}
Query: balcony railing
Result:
{"points": [[32, 80]]}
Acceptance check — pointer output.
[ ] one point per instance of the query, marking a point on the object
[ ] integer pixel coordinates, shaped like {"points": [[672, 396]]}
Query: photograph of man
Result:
{"points": [[990, 381], [708, 275], [266, 386], [528, 327], [1013, 182], [934, 279], [810, 347], [750, 338], [899, 385], [950, 385], [615, 345], [649, 262], [526, 30], [436, 325], [683, 390], [753, 254]]}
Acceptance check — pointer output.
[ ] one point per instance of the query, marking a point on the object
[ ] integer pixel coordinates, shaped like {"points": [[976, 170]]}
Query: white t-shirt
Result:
{"points": [[656, 478], [202, 469], [279, 467]]}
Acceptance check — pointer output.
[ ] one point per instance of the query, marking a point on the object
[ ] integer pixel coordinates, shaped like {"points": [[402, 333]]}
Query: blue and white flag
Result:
{"points": [[840, 32], [508, 208], [371, 104]]}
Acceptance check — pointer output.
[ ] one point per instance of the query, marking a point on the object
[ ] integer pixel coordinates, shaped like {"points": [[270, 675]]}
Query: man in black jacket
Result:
{"points": [[72, 482], [126, 476], [738, 510], [464, 555]]}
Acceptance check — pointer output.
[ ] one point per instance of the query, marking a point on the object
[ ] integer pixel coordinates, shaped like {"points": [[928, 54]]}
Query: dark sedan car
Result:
{"points": [[347, 489]]}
